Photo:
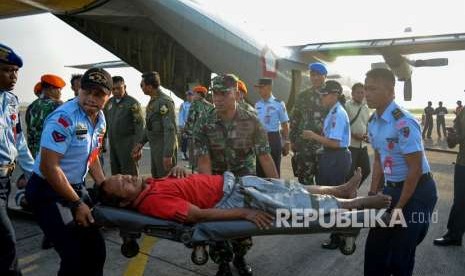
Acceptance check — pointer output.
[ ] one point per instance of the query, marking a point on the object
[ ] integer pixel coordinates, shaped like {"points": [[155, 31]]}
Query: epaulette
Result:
{"points": [[397, 113], [371, 117], [334, 111], [277, 100]]}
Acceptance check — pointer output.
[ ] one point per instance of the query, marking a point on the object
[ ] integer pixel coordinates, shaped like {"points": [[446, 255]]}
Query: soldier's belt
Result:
{"points": [[7, 170]]}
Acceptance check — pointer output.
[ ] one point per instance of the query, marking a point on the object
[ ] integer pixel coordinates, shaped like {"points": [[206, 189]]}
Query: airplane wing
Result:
{"points": [[393, 50], [387, 46], [14, 8], [104, 64]]}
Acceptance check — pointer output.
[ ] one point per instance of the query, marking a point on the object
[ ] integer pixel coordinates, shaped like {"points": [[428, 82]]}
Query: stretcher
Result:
{"points": [[132, 224]]}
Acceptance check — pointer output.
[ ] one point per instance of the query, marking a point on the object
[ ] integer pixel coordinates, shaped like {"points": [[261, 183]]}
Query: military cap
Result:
{"points": [[242, 87], [224, 82], [331, 86], [8, 56], [318, 67], [53, 80], [97, 77], [200, 89], [189, 92], [263, 82]]}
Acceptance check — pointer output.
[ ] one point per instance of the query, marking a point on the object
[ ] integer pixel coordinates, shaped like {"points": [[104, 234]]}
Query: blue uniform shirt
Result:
{"points": [[336, 125], [271, 113], [394, 134], [12, 141], [69, 132], [183, 113]]}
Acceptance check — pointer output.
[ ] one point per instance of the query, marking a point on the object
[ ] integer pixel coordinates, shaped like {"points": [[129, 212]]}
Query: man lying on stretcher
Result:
{"points": [[192, 198]]}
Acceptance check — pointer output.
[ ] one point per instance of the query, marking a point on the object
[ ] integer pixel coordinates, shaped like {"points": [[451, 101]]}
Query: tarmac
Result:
{"points": [[270, 255]]}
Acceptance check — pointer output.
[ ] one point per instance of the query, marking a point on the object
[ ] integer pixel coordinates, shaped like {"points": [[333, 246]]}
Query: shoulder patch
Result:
{"points": [[397, 113], [58, 137]]}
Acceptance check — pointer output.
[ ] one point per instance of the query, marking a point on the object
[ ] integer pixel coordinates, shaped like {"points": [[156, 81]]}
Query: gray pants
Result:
{"points": [[271, 194]]}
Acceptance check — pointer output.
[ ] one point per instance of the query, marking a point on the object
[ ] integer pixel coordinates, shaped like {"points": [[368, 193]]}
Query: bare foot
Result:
{"points": [[373, 202], [349, 189]]}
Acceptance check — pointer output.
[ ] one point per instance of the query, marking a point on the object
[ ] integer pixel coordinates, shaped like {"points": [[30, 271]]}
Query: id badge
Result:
{"points": [[388, 162]]}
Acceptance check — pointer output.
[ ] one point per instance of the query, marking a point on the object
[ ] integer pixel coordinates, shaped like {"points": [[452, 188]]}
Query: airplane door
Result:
{"points": [[296, 84]]}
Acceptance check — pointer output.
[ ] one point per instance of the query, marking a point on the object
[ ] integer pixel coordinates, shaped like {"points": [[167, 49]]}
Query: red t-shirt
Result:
{"points": [[170, 198]]}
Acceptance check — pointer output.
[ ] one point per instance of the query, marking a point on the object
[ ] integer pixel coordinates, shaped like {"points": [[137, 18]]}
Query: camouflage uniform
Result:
{"points": [[160, 131], [36, 113], [125, 126], [197, 113], [245, 105], [308, 114], [232, 146]]}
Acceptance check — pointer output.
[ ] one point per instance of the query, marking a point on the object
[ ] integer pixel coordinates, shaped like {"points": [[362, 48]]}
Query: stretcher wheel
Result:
{"points": [[347, 245], [129, 248], [199, 255]]}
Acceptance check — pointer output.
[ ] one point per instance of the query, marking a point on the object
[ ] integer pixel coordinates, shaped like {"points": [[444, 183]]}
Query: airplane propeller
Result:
{"points": [[401, 67]]}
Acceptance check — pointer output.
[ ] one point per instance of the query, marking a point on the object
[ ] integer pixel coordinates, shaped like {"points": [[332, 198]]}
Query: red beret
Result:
{"points": [[200, 89], [53, 80], [242, 87]]}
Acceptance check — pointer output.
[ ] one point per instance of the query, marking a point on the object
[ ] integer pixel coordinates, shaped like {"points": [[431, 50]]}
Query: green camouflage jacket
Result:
{"points": [[197, 113], [308, 114], [36, 113], [232, 146]]}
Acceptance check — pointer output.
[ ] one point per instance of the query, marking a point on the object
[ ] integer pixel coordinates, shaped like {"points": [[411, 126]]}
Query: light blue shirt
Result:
{"points": [[392, 135], [69, 132], [13, 144], [271, 113], [183, 113], [337, 126]]}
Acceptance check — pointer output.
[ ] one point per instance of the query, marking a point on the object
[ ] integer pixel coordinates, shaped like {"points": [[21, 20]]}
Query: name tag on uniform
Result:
{"points": [[81, 131]]}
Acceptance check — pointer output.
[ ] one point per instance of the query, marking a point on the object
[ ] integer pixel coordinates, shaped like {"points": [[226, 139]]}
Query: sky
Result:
{"points": [[47, 44]]}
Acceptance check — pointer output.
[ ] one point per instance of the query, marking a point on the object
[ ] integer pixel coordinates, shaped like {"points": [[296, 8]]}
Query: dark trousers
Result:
{"points": [[428, 128], [334, 166], [360, 159], [456, 223], [184, 144], [274, 138], [81, 249], [391, 251], [8, 258], [441, 123], [223, 252]]}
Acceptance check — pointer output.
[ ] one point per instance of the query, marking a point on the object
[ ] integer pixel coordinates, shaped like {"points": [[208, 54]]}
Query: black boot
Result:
{"points": [[447, 240], [242, 267], [332, 243], [224, 269]]}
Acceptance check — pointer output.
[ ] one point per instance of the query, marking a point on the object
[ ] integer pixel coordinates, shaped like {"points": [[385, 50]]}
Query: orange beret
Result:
{"points": [[53, 80], [200, 89], [241, 86], [38, 88]]}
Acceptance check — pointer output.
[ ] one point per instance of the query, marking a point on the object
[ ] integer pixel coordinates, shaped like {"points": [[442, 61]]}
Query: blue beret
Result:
{"points": [[7, 55], [318, 67]]}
